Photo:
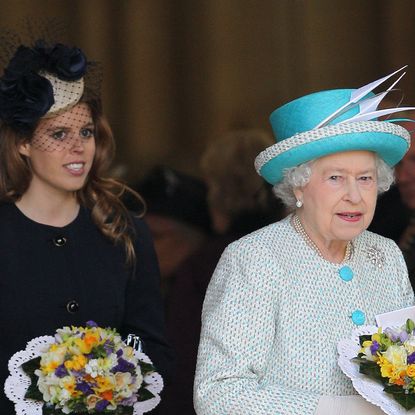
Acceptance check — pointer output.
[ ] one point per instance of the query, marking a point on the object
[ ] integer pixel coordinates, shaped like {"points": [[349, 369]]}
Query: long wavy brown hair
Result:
{"points": [[102, 195]]}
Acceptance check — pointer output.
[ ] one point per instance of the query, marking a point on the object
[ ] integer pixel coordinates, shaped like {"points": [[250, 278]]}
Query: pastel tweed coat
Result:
{"points": [[273, 314]]}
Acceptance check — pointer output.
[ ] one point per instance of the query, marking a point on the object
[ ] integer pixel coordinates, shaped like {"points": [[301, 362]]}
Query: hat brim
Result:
{"points": [[390, 146]]}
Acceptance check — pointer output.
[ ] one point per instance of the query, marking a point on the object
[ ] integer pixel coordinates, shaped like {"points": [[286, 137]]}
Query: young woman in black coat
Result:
{"points": [[69, 250]]}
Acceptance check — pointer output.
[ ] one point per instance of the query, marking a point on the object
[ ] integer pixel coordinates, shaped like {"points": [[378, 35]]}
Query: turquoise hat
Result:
{"points": [[330, 122]]}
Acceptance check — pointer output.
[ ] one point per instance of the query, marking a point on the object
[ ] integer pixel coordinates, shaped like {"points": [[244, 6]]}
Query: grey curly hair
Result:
{"points": [[300, 175]]}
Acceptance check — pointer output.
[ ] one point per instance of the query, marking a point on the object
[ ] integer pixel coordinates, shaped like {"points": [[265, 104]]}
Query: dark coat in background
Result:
{"points": [[53, 277], [391, 215], [395, 221]]}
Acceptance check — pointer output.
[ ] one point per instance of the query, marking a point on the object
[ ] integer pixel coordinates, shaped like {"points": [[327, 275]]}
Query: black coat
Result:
{"points": [[53, 277]]}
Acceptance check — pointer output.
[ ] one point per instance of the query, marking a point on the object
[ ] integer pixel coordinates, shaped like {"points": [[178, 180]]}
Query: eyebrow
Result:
{"points": [[57, 127], [341, 170], [66, 127]]}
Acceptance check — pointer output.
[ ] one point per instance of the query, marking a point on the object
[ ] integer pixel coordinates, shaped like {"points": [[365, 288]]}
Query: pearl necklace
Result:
{"points": [[298, 226]]}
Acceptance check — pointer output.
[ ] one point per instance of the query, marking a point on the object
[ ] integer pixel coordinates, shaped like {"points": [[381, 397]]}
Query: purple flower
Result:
{"points": [[119, 353], [403, 336], [374, 347], [85, 388], [108, 347], [91, 323], [129, 401], [61, 371], [411, 358], [392, 334], [123, 366], [101, 405], [78, 373]]}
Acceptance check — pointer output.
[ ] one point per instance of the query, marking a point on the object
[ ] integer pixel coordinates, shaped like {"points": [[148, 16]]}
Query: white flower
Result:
{"points": [[92, 400], [139, 378], [101, 366], [410, 345], [92, 368]]}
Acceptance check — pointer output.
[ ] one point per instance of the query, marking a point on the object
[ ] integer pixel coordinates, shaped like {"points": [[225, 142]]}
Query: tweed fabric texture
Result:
{"points": [[273, 314]]}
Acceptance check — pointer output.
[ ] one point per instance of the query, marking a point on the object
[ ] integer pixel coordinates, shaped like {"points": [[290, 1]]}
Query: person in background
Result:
{"points": [[283, 296], [177, 215], [239, 202], [395, 211], [70, 250]]}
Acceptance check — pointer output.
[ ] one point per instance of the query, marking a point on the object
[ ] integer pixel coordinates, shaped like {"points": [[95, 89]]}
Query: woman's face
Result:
{"points": [[62, 151], [340, 199]]}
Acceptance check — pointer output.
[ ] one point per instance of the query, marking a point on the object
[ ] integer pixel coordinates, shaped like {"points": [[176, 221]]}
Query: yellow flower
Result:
{"points": [[50, 367], [103, 384], [83, 347], [387, 371], [386, 368], [69, 384], [76, 363], [53, 358], [79, 362], [410, 371]]}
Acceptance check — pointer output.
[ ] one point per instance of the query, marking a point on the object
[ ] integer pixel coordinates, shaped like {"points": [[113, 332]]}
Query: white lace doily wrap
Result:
{"points": [[370, 389], [17, 383]]}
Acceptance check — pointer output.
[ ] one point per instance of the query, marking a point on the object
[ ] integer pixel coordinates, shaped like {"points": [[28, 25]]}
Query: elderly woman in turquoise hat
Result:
{"points": [[282, 297]]}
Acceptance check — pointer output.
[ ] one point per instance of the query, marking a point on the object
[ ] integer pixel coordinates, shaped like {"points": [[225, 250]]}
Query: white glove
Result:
{"points": [[346, 405]]}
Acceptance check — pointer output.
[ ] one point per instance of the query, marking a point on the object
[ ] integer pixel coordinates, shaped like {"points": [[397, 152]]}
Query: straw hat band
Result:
{"points": [[326, 132]]}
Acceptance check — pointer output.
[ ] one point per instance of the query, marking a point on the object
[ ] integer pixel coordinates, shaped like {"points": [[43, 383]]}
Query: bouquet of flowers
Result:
{"points": [[84, 370], [389, 357]]}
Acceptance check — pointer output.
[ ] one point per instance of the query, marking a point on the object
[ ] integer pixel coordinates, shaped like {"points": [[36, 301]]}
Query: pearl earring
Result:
{"points": [[298, 203]]}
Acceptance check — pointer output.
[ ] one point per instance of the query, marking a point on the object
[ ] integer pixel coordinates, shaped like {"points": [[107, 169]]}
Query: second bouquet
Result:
{"points": [[83, 370]]}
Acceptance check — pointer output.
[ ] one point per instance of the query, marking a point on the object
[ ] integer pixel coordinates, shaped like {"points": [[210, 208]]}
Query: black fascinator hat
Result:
{"points": [[41, 79]]}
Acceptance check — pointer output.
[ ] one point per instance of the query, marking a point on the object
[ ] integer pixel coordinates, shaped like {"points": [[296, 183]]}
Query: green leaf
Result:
{"points": [[146, 368], [372, 370], [123, 410], [50, 410], [360, 359], [144, 394], [99, 352], [406, 400], [30, 366], [363, 338], [33, 392], [410, 326], [77, 405], [394, 389]]}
